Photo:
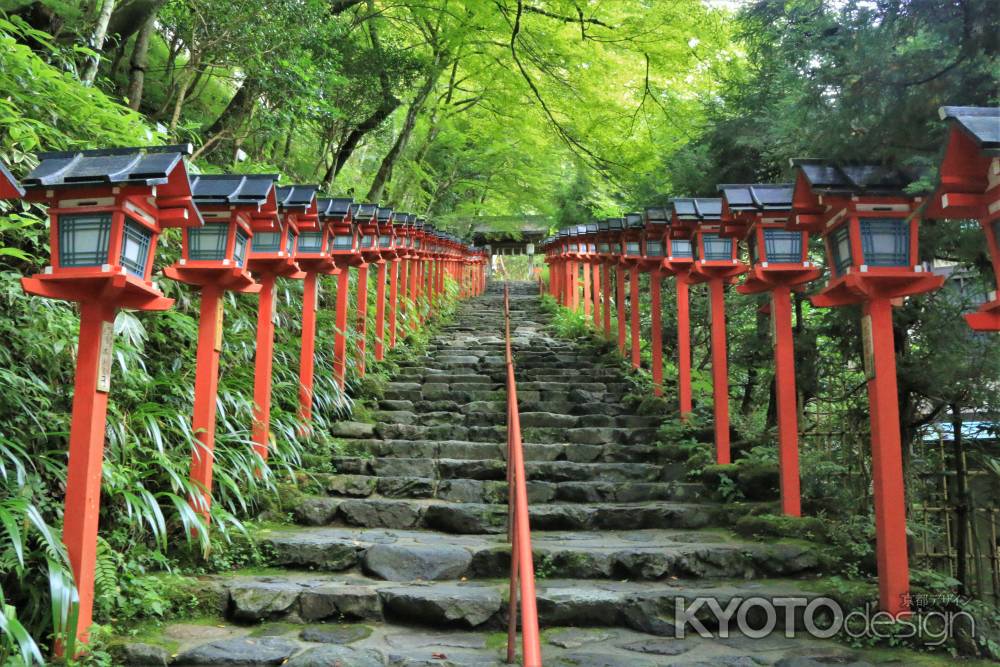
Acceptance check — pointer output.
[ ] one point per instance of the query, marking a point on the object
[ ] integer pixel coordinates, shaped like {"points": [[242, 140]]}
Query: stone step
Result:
{"points": [[379, 643], [478, 415], [496, 469], [489, 491], [644, 606], [596, 435], [464, 449], [569, 393], [491, 518], [649, 555]]}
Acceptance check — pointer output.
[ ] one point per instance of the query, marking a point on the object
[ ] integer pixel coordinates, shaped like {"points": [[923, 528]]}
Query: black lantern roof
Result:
{"points": [[697, 209], [980, 123], [615, 224], [383, 214], [603, 226], [658, 215], [828, 177], [140, 166], [758, 197], [296, 196], [363, 212], [634, 221], [401, 219], [419, 223], [336, 207], [232, 189], [581, 230], [10, 181], [563, 233], [592, 228]]}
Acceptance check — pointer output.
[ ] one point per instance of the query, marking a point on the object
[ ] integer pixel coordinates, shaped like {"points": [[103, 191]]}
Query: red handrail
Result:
{"points": [[518, 529]]}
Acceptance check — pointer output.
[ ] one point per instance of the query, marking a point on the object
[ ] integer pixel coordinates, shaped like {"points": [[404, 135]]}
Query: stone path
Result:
{"points": [[404, 562]]}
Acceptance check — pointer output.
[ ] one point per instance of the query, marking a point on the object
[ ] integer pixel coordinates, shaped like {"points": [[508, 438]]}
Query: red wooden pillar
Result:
{"points": [[656, 333], [887, 461], [635, 311], [606, 297], [206, 384], [394, 304], [787, 399], [720, 369], [620, 302], [415, 294], [380, 310], [310, 298], [595, 284], [86, 453], [683, 347], [263, 364], [361, 305], [340, 335], [586, 290]]}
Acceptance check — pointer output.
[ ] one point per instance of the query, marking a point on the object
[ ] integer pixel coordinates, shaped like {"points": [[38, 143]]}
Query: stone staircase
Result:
{"points": [[404, 560]]}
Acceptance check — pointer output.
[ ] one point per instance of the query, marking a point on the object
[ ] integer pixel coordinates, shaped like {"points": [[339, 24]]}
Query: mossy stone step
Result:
{"points": [[467, 518], [648, 555]]}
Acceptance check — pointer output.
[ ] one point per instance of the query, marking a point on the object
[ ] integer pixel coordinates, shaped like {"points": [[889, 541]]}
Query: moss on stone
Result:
{"points": [[770, 525]]}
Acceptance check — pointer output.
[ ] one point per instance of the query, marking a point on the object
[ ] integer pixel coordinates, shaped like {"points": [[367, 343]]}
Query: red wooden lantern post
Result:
{"points": [[632, 239], [312, 254], [367, 222], [106, 211], [416, 267], [678, 263], [608, 249], [272, 255], [779, 263], [968, 180], [617, 229], [345, 254], [565, 282], [387, 255], [653, 253], [583, 258], [871, 234], [400, 253], [716, 264], [213, 258]]}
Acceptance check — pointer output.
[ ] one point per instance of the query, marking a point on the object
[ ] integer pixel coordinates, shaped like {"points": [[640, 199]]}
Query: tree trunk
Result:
{"points": [[962, 504], [130, 16], [137, 66], [384, 174], [348, 146], [187, 78], [97, 41]]}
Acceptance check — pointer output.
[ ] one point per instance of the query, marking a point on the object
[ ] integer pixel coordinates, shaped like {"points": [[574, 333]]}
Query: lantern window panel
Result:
{"points": [[654, 248], [240, 247], [208, 242], [681, 248], [885, 241], [416, 243], [573, 247], [840, 249], [343, 242], [385, 241], [266, 242], [136, 241], [310, 242], [84, 239], [290, 243], [782, 246], [616, 248], [367, 241], [592, 246], [632, 248], [716, 247], [752, 249], [603, 247]]}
